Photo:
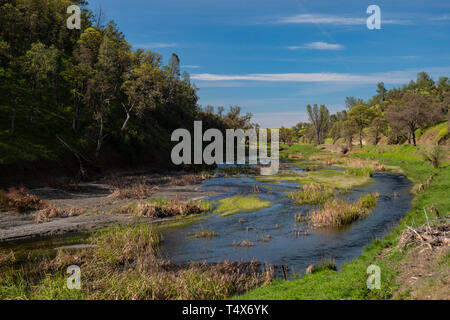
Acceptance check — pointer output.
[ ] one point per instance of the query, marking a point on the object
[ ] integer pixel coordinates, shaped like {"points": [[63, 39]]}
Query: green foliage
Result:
{"points": [[110, 105]]}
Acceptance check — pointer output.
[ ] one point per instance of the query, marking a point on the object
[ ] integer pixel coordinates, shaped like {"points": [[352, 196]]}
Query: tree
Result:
{"points": [[104, 86], [174, 65], [40, 64], [411, 114], [361, 116], [320, 119], [143, 87]]}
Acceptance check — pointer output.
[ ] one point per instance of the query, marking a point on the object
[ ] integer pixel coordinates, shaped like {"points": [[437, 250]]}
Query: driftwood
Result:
{"points": [[429, 236]]}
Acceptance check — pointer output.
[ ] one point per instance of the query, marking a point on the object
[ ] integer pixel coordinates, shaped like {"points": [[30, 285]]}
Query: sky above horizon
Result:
{"points": [[274, 57]]}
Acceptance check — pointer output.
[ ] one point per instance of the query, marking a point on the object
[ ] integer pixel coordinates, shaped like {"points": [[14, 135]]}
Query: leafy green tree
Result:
{"points": [[320, 120], [361, 116]]}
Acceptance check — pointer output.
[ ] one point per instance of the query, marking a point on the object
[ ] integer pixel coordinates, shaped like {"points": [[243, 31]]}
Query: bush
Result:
{"points": [[435, 155]]}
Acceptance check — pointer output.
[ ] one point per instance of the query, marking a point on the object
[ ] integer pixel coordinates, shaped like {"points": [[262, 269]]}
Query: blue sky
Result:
{"points": [[274, 57]]}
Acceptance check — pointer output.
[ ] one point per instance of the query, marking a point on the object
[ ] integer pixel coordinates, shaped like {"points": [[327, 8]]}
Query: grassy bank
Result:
{"points": [[350, 281]]}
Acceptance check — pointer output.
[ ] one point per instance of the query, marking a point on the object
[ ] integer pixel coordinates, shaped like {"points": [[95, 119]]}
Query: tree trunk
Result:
{"points": [[99, 139], [360, 139], [75, 117], [13, 122], [124, 126], [413, 137]]}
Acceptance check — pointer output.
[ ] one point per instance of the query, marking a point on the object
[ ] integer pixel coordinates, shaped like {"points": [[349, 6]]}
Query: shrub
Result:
{"points": [[435, 155], [21, 201]]}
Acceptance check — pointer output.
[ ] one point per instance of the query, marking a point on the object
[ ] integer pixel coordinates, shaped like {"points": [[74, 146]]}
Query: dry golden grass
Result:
{"points": [[312, 193], [339, 212], [175, 207], [20, 200], [124, 264], [51, 211], [141, 187]]}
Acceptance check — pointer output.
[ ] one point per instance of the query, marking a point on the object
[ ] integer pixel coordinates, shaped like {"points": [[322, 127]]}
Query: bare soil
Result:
{"points": [[425, 274], [95, 201]]}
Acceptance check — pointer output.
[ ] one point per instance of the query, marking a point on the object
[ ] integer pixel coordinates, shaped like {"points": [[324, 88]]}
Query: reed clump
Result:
{"points": [[312, 193], [338, 212], [125, 264], [209, 234], [162, 208]]}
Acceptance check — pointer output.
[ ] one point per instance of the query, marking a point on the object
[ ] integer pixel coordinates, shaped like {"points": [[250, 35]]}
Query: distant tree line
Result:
{"points": [[395, 114], [86, 95]]}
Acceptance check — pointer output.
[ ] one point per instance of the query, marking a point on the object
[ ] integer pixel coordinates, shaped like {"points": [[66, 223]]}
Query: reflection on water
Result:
{"points": [[285, 247]]}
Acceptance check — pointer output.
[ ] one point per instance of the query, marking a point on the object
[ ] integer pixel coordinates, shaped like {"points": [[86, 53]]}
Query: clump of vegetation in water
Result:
{"points": [[124, 264], [238, 170], [162, 208], [312, 193], [339, 212], [366, 171], [238, 203], [205, 234]]}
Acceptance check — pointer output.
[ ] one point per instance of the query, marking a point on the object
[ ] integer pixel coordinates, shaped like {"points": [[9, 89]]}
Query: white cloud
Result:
{"points": [[391, 77], [330, 19], [318, 46], [302, 77], [155, 45], [190, 66]]}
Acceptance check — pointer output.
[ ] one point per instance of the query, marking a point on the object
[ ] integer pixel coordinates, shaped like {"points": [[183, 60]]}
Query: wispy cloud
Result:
{"points": [[318, 46], [155, 45], [391, 77], [441, 18], [298, 77], [191, 66], [309, 18]]}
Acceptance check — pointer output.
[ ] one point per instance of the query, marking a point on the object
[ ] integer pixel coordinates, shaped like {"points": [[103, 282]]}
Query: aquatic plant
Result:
{"points": [[162, 208], [238, 203], [312, 193], [205, 234], [124, 264], [366, 171], [339, 212]]}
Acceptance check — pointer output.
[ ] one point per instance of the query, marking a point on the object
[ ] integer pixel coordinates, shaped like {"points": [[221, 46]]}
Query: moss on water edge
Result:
{"points": [[238, 203]]}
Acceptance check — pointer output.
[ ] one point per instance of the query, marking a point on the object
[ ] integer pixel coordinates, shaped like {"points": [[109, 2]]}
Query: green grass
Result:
{"points": [[350, 281], [305, 149], [360, 172], [229, 206], [312, 194], [337, 179]]}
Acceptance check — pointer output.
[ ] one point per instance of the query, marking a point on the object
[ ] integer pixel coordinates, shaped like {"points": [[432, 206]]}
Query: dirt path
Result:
{"points": [[97, 204]]}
